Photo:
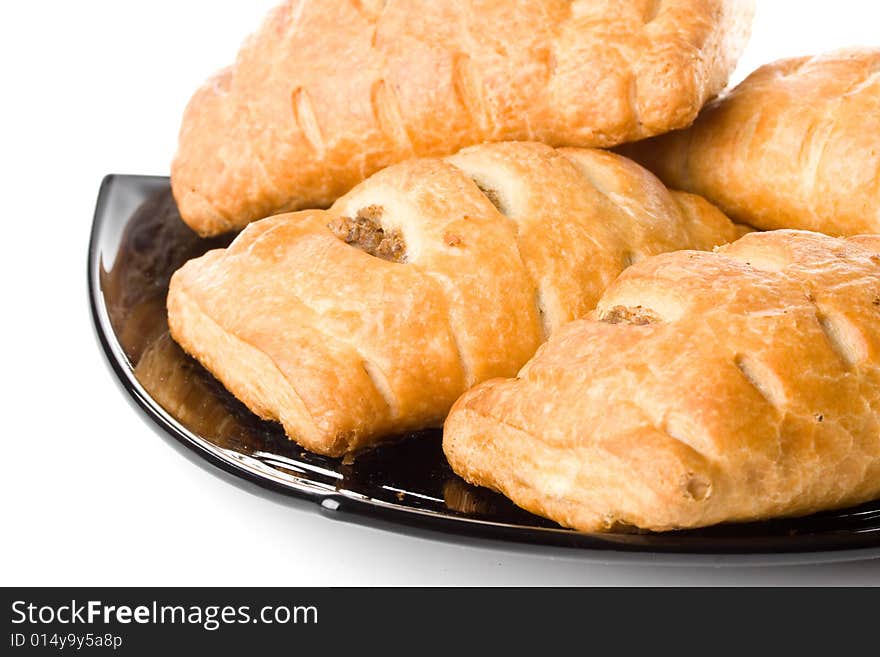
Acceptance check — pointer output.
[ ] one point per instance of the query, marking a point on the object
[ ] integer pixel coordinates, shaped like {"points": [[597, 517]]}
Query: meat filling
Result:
{"points": [[630, 315], [365, 233], [492, 195]]}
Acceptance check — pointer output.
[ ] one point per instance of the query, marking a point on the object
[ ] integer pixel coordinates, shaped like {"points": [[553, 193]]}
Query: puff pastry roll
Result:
{"points": [[704, 388], [326, 93], [370, 319], [796, 145]]}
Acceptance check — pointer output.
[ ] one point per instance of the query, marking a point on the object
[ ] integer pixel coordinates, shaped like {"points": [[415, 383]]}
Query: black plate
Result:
{"points": [[138, 240]]}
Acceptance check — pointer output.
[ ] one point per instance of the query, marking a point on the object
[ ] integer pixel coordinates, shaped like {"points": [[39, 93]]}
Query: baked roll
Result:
{"points": [[326, 93], [370, 319], [796, 145], [705, 388]]}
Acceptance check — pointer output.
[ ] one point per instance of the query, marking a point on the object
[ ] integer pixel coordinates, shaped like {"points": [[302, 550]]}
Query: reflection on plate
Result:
{"points": [[138, 240]]}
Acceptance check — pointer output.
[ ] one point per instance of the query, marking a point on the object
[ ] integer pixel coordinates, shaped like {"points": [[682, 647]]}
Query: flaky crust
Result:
{"points": [[344, 348], [326, 93], [796, 145], [704, 388]]}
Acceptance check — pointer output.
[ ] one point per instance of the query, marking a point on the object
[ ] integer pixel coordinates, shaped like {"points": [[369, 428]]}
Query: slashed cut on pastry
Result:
{"points": [[327, 92], [796, 145], [370, 319], [704, 388]]}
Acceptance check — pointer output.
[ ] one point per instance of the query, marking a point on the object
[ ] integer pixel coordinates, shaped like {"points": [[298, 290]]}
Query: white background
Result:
{"points": [[90, 494]]}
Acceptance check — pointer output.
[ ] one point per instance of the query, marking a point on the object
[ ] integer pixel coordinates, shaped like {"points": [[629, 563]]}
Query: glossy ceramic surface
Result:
{"points": [[138, 240]]}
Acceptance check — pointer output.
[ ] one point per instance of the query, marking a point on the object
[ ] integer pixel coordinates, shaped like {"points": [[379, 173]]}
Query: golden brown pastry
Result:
{"points": [[796, 145], [704, 388], [326, 93], [433, 275]]}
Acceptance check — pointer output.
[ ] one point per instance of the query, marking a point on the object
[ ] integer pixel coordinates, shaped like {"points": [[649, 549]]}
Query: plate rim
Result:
{"points": [[342, 505]]}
